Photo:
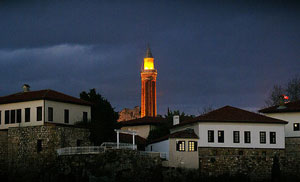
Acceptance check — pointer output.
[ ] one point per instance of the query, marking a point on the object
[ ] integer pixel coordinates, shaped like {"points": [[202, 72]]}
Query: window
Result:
{"points": [[247, 137], [50, 114], [180, 146], [27, 114], [0, 117], [85, 118], [39, 146], [19, 116], [296, 126], [66, 116], [12, 116], [192, 146], [6, 117], [236, 137], [272, 137], [262, 137], [39, 113], [79, 143], [221, 136], [211, 136]]}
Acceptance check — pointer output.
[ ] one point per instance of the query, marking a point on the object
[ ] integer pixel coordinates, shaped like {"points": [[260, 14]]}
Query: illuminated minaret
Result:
{"points": [[148, 75]]}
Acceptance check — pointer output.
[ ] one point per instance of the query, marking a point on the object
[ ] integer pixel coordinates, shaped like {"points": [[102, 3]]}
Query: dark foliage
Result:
{"points": [[104, 118], [291, 89], [164, 128]]}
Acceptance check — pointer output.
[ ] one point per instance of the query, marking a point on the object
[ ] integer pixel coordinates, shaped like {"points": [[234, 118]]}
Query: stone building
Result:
{"points": [[33, 124], [129, 114]]}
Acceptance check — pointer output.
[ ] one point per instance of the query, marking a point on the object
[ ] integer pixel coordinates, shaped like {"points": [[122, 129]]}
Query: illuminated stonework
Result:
{"points": [[148, 97]]}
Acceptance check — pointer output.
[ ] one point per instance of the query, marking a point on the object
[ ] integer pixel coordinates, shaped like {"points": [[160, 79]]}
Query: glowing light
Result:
{"points": [[285, 97], [148, 63]]}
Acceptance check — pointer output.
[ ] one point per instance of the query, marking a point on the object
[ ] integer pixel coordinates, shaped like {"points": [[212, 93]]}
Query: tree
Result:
{"points": [[275, 96], [206, 109], [164, 128], [291, 89], [103, 117]]}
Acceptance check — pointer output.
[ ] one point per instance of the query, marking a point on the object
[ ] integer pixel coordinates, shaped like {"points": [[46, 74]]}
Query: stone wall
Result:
{"points": [[129, 114], [291, 163], [23, 149], [3, 150], [255, 163]]}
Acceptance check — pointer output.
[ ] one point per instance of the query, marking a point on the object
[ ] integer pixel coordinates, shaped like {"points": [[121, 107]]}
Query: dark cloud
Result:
{"points": [[207, 53]]}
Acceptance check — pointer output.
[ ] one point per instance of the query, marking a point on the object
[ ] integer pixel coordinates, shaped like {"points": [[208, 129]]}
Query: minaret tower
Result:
{"points": [[148, 75]]}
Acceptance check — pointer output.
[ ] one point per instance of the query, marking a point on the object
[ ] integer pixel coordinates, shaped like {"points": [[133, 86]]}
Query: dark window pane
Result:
{"points": [[211, 136], [79, 143], [6, 117], [221, 136], [12, 116], [27, 114], [247, 137], [50, 114], [296, 126], [0, 117], [85, 118], [262, 137], [236, 137], [66, 116], [180, 146], [39, 146], [19, 116], [272, 137], [39, 113]]}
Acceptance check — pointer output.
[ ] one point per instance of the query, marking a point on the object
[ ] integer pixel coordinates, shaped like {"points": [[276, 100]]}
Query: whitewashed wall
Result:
{"points": [[162, 146], [75, 111], [141, 130], [201, 129], [291, 117], [22, 105]]}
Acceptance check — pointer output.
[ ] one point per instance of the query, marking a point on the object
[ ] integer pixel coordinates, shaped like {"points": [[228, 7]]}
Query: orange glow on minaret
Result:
{"points": [[148, 97]]}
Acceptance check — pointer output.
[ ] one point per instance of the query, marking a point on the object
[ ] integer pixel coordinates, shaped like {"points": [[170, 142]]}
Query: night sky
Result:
{"points": [[207, 53]]}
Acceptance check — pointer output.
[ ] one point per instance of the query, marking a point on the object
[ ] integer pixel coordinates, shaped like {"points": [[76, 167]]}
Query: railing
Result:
{"points": [[94, 149], [112, 145], [162, 155], [80, 150], [107, 146]]}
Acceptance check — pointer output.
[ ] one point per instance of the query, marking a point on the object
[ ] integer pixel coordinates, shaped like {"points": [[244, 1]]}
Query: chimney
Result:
{"points": [[26, 88], [176, 120]]}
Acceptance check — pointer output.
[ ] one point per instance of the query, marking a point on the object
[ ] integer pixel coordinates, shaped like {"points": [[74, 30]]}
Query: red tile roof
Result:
{"points": [[41, 95], [232, 115], [289, 107], [143, 121]]}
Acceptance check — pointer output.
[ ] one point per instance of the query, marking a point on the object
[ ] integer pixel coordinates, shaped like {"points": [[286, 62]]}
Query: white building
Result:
{"points": [[33, 108], [226, 127], [289, 112]]}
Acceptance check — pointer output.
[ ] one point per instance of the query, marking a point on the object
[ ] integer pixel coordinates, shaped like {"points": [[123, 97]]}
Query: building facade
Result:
{"points": [[148, 90], [35, 108], [228, 130], [289, 112]]}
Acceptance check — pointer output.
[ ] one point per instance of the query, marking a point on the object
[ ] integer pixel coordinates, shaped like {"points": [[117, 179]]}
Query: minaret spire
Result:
{"points": [[148, 52], [148, 91]]}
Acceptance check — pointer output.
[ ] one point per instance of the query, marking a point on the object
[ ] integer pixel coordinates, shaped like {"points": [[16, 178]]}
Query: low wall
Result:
{"points": [[255, 163]]}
